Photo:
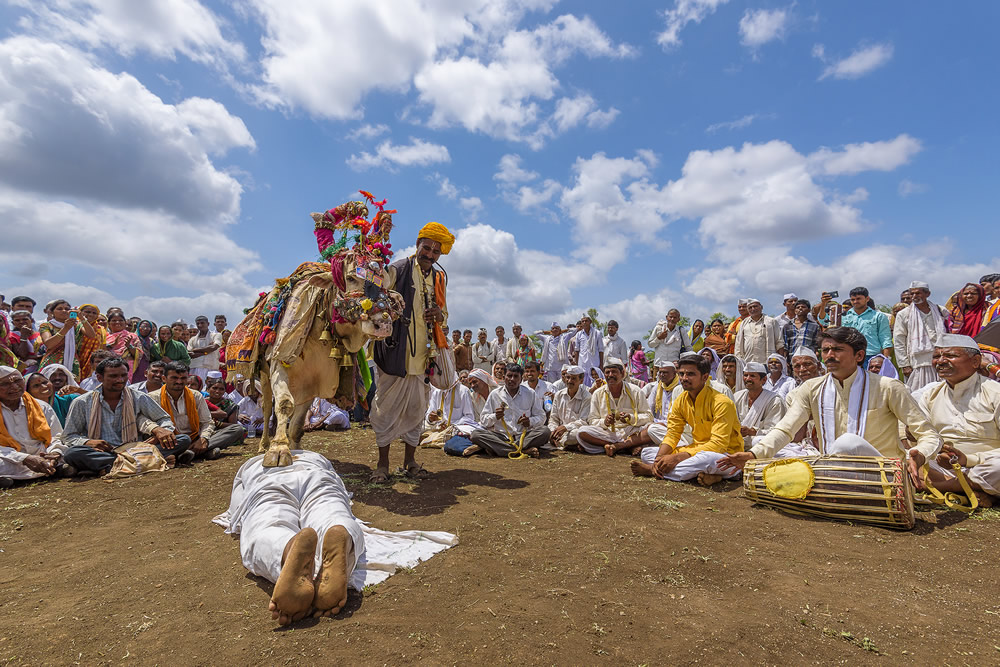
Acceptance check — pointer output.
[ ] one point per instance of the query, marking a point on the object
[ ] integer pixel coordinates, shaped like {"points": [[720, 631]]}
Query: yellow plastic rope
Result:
{"points": [[517, 454], [951, 500], [635, 408]]}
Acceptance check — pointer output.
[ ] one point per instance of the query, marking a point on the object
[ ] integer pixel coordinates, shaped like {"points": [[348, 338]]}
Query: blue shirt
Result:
{"points": [[874, 324]]}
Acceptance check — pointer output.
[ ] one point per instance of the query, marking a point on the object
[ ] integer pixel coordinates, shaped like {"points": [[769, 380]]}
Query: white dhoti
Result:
{"points": [[568, 438], [270, 505], [399, 408], [658, 431], [620, 434], [985, 475], [795, 450], [921, 376], [702, 462]]}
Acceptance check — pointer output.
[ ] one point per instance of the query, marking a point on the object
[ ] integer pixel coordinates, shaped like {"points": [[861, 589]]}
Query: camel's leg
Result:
{"points": [[297, 421], [278, 454], [266, 396]]}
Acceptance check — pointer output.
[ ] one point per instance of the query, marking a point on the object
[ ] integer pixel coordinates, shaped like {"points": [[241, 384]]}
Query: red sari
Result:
{"points": [[965, 319]]}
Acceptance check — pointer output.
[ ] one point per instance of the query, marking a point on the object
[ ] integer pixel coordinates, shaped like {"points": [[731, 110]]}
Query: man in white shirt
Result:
{"points": [[30, 443], [618, 412], [614, 345], [484, 353], [668, 339], [917, 330], [326, 416], [543, 390], [154, 378], [204, 349], [570, 408], [500, 345], [759, 335], [449, 414], [511, 420], [555, 351], [759, 409], [587, 350], [510, 347], [965, 410]]}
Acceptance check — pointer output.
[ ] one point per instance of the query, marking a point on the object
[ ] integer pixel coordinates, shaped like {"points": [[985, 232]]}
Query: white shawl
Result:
{"points": [[857, 407], [918, 340]]}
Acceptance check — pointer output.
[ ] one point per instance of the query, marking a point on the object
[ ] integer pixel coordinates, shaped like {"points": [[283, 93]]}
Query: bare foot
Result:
{"points": [[171, 461], [708, 480], [610, 450], [331, 583], [294, 590], [471, 449], [985, 499], [640, 469], [533, 452]]}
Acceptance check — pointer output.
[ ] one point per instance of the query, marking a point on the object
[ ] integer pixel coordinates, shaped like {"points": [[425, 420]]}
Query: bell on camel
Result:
{"points": [[325, 335]]}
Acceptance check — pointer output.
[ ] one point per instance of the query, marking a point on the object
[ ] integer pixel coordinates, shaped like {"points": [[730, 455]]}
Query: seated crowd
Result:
{"points": [[834, 378]]}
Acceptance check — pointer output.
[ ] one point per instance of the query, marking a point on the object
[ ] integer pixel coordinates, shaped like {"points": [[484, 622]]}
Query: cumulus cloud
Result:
{"points": [[367, 131], [162, 28], [64, 118], [683, 13], [387, 155], [510, 171], [760, 26], [860, 62], [867, 156]]}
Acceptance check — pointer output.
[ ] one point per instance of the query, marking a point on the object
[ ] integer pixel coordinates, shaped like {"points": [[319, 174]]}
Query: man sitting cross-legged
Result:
{"points": [[113, 415], [324, 415], [447, 410], [965, 410], [191, 416], [618, 413], [297, 530], [715, 430], [570, 408], [659, 395], [759, 409], [30, 443], [857, 413], [511, 419]]}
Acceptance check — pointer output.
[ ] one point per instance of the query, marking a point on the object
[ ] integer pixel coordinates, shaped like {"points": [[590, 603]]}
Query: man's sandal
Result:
{"points": [[415, 471]]}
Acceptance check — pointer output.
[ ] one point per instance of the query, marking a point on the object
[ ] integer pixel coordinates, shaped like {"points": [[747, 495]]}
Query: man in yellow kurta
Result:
{"points": [[856, 412], [714, 425], [403, 359]]}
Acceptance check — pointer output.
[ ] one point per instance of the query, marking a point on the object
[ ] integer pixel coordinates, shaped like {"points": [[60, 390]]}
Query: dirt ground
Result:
{"points": [[566, 560]]}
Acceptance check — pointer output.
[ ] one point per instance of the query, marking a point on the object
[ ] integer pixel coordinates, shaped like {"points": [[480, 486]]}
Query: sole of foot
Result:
{"points": [[294, 591], [331, 583], [708, 480], [610, 450]]}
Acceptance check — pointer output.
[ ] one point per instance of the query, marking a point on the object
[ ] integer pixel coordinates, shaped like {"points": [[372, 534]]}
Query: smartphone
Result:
{"points": [[834, 294], [72, 316]]}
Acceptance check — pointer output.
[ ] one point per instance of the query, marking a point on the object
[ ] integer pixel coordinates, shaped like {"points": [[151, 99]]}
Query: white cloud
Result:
{"points": [[368, 131], [511, 171], [908, 187], [471, 205], [65, 135], [760, 26], [500, 96], [601, 119], [527, 198], [861, 61], [684, 12], [737, 124], [867, 156], [163, 28], [417, 152], [447, 189]]}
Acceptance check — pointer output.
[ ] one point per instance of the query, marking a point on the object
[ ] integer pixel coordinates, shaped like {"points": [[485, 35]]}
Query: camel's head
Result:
{"points": [[364, 308]]}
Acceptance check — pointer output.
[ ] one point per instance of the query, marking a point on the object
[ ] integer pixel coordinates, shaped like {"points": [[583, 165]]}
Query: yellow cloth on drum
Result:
{"points": [[435, 231], [789, 478]]}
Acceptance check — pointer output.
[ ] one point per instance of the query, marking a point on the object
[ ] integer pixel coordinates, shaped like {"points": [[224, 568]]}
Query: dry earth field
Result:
{"points": [[566, 560]]}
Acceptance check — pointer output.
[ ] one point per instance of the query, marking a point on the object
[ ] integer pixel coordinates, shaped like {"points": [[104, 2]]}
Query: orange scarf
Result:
{"points": [[38, 425], [190, 407]]}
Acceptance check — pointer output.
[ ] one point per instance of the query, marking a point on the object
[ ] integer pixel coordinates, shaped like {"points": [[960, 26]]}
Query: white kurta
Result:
{"points": [[916, 348], [631, 401], [669, 348], [329, 414], [757, 339], [590, 347], [484, 355], [571, 412], [615, 346], [500, 349], [523, 403], [540, 390], [764, 419], [454, 406], [555, 354], [16, 421], [269, 506]]}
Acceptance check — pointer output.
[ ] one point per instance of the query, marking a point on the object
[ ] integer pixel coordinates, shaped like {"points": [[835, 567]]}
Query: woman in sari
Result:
{"points": [[716, 338], [64, 334], [145, 330], [168, 349], [123, 342], [92, 314], [42, 388], [637, 366], [695, 334], [967, 313], [525, 351]]}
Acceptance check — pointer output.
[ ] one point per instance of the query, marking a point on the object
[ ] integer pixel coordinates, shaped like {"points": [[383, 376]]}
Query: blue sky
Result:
{"points": [[165, 155]]}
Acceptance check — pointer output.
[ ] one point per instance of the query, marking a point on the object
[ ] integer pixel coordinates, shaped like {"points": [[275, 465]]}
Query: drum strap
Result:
{"points": [[952, 501]]}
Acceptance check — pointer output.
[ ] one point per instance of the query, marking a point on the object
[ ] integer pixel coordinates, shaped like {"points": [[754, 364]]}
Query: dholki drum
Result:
{"points": [[867, 489]]}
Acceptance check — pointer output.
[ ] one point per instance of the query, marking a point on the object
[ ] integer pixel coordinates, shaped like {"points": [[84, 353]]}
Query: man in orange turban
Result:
{"points": [[417, 350]]}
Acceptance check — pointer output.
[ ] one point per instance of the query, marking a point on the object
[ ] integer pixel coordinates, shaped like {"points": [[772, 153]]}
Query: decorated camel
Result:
{"points": [[305, 338]]}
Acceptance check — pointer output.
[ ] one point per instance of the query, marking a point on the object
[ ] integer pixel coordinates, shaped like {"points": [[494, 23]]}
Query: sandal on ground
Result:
{"points": [[379, 476], [415, 471]]}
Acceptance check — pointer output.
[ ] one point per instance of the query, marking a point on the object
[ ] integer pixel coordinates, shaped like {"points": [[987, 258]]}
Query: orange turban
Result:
{"points": [[435, 231]]}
